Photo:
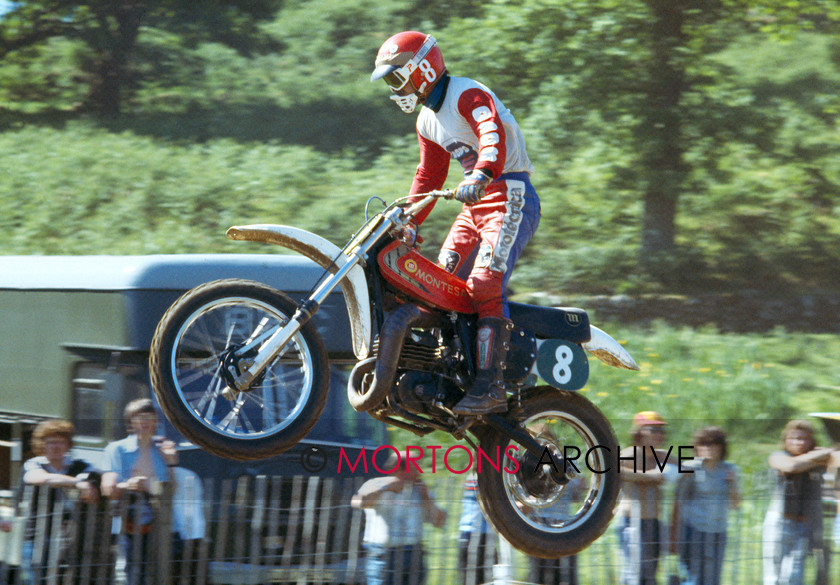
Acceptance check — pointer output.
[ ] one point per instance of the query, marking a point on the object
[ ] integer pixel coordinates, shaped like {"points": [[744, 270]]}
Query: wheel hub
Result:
{"points": [[541, 482], [232, 366]]}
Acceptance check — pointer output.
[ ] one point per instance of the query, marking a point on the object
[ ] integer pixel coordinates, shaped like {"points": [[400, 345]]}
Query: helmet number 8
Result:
{"points": [[427, 70]]}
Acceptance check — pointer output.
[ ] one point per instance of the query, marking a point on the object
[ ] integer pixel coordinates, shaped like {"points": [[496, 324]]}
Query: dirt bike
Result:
{"points": [[240, 370]]}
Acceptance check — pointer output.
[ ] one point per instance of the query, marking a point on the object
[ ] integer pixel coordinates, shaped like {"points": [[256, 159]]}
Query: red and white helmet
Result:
{"points": [[409, 56]]}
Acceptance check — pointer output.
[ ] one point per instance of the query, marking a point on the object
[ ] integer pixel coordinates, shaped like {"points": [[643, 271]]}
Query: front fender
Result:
{"points": [[329, 257]]}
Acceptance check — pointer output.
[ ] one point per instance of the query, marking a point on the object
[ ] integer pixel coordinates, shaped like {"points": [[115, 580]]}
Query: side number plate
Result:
{"points": [[562, 364]]}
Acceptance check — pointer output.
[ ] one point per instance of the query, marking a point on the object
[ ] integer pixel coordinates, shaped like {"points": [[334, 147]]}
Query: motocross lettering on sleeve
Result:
{"points": [[474, 127], [464, 154], [479, 110]]}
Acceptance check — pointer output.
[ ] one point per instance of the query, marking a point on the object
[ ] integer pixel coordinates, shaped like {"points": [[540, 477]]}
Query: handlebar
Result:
{"points": [[427, 198]]}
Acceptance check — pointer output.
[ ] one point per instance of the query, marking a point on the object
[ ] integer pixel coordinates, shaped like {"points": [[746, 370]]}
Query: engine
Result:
{"points": [[426, 376], [421, 351]]}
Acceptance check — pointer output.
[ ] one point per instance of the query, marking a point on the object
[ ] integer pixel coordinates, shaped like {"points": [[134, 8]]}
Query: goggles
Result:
{"points": [[397, 78]]}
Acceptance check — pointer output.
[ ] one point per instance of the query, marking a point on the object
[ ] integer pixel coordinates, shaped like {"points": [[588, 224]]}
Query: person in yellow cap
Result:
{"points": [[639, 531]]}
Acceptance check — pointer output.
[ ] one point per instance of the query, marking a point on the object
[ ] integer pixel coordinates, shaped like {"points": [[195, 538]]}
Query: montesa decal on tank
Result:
{"points": [[419, 277]]}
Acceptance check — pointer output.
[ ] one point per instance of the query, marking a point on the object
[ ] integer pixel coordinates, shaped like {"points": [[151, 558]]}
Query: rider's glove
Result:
{"points": [[471, 189]]}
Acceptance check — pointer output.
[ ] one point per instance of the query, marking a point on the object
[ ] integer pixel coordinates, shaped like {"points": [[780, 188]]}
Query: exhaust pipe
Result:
{"points": [[364, 397]]}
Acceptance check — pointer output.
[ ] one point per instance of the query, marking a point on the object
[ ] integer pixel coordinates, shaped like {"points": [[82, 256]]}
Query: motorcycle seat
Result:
{"points": [[566, 323]]}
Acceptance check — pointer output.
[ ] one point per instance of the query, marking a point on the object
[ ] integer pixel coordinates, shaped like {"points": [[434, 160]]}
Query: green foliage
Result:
{"points": [[44, 75], [750, 385], [286, 127], [106, 35]]}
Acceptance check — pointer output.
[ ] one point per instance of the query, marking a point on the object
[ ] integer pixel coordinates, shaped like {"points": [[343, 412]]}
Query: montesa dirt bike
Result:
{"points": [[240, 370]]}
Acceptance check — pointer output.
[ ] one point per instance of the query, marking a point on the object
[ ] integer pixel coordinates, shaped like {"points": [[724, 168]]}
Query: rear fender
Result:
{"points": [[608, 350], [564, 364], [329, 257]]}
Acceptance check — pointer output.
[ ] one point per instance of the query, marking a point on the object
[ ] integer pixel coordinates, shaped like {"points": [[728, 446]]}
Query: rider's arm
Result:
{"points": [[431, 172], [479, 110]]}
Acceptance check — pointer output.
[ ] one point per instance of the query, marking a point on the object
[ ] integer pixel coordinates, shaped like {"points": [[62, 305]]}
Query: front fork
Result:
{"points": [[262, 350]]}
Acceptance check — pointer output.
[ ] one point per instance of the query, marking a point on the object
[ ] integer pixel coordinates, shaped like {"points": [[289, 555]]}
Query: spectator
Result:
{"points": [[395, 508], [793, 524], [639, 531], [836, 466], [53, 469], [476, 551], [701, 506], [188, 524], [837, 525], [137, 464]]}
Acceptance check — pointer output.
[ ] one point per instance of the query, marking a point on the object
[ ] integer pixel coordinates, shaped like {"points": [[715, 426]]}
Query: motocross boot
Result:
{"points": [[487, 393]]}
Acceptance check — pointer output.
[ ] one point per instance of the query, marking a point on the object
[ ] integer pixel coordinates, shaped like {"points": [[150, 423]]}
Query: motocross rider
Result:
{"points": [[464, 120]]}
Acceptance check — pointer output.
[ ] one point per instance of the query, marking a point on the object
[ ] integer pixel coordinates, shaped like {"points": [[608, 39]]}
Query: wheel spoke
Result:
{"points": [[278, 394], [542, 501]]}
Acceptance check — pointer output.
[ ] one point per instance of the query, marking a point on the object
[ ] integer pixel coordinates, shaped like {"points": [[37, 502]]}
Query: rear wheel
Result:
{"points": [[535, 512], [195, 343]]}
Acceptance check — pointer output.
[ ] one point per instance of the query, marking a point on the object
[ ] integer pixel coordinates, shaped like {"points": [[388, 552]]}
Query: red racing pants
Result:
{"points": [[487, 238]]}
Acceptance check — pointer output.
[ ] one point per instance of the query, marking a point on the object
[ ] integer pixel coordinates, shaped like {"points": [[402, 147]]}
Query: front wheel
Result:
{"points": [[194, 341], [535, 511]]}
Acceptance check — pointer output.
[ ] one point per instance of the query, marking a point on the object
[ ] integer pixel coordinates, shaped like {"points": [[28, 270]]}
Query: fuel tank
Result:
{"points": [[417, 276]]}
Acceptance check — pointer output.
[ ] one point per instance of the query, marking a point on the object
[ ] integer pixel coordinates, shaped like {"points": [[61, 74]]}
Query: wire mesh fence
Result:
{"points": [[302, 529]]}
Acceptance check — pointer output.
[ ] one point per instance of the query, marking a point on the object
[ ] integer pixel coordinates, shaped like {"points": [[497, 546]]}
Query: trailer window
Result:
{"points": [[99, 395], [89, 400]]}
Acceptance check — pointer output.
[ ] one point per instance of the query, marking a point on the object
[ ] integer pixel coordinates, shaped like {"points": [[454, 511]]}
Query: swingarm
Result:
{"points": [[534, 451]]}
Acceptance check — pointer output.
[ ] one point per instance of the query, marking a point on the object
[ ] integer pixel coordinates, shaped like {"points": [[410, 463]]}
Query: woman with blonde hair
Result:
{"points": [[52, 467]]}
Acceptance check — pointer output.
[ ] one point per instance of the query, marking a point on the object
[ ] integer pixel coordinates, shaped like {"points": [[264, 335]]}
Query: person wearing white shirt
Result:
{"points": [[396, 506]]}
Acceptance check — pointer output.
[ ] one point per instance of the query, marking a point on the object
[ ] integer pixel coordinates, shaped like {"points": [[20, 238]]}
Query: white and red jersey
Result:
{"points": [[472, 126], [469, 123]]}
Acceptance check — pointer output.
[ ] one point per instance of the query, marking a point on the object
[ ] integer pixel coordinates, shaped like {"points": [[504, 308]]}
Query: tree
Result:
{"points": [[641, 72], [108, 31], [660, 129]]}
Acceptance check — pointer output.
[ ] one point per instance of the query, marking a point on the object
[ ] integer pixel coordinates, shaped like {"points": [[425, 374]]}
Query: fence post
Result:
{"points": [[308, 528], [294, 520], [204, 544], [258, 520], [163, 533], [271, 552], [222, 526], [324, 516], [356, 517]]}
